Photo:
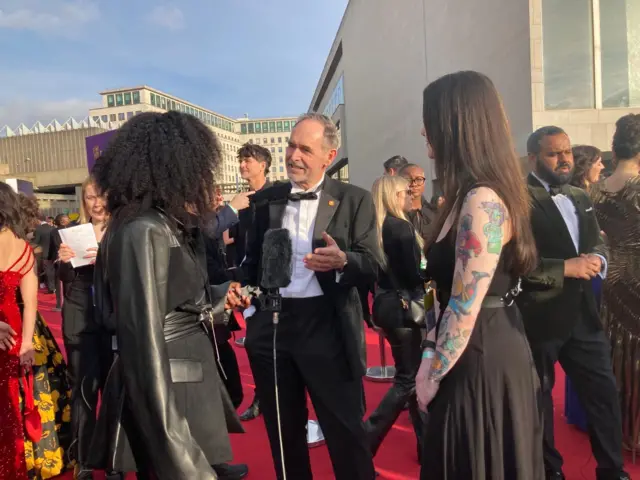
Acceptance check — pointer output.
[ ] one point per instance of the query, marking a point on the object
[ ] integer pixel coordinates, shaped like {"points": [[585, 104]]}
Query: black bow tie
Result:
{"points": [[296, 197], [558, 190]]}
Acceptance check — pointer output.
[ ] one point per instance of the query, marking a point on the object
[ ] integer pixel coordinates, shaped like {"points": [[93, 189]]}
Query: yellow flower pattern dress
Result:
{"points": [[52, 395]]}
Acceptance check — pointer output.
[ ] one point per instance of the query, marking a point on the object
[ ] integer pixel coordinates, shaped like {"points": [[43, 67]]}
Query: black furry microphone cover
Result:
{"points": [[277, 253]]}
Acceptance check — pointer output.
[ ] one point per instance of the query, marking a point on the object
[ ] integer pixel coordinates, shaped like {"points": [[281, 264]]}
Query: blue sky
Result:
{"points": [[260, 57]]}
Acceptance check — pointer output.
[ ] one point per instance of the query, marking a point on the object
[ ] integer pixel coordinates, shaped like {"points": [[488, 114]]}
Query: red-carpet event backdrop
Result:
{"points": [[96, 144]]}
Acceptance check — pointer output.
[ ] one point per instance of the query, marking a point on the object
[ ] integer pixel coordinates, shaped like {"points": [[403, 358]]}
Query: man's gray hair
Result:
{"points": [[331, 137]]}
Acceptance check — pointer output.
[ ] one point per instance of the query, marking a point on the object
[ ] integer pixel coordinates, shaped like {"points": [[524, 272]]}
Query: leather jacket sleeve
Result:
{"points": [[138, 266]]}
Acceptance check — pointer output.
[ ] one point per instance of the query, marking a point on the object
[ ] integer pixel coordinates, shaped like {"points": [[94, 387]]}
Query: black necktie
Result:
{"points": [[557, 190], [296, 197]]}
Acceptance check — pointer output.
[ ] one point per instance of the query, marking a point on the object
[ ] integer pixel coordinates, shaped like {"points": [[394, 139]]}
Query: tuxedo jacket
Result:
{"points": [[550, 303], [345, 212]]}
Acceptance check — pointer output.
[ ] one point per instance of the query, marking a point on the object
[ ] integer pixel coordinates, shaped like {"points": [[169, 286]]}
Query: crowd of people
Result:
{"points": [[527, 271]]}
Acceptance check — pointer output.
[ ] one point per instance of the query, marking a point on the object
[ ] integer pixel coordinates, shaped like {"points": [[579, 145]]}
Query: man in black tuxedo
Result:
{"points": [[42, 238], [321, 345], [559, 306]]}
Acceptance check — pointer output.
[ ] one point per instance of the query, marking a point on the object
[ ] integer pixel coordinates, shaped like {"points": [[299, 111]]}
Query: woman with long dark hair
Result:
{"points": [[588, 166], [477, 377], [26, 343], [165, 411]]}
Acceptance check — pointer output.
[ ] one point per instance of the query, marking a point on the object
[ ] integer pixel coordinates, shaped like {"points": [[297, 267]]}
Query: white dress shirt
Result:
{"points": [[567, 209], [299, 218]]}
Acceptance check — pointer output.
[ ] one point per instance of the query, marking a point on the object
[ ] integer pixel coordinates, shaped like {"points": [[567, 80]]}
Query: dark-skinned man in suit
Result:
{"points": [[559, 306], [320, 347]]}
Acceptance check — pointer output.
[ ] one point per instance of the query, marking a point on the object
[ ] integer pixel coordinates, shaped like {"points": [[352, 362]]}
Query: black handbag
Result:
{"points": [[411, 303]]}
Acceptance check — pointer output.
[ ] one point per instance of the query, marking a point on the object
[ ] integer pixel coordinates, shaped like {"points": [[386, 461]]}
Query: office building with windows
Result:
{"points": [[571, 63], [271, 133], [120, 105]]}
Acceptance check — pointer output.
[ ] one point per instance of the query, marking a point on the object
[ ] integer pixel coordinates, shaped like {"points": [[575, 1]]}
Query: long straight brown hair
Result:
{"points": [[469, 133]]}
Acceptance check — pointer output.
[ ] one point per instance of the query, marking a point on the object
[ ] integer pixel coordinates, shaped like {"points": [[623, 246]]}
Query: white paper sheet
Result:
{"points": [[79, 239]]}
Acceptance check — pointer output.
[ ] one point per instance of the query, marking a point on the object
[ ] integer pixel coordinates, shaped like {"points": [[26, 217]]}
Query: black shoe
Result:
{"points": [[252, 412], [231, 472], [82, 473], [554, 475]]}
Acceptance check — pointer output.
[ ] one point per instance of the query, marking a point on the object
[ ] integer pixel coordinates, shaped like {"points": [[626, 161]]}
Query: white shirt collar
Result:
{"points": [[544, 183], [295, 188]]}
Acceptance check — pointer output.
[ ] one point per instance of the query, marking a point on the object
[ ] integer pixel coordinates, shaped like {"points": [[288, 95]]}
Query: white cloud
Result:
{"points": [[171, 18], [30, 111], [49, 17]]}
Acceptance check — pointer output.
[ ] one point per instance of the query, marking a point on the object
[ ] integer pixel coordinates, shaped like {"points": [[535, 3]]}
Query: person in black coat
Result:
{"points": [[401, 271], [320, 343], [42, 239], [165, 412], [559, 307]]}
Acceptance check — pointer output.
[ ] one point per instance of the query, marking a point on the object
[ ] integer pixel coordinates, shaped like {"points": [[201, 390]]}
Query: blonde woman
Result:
{"points": [[88, 350], [401, 270]]}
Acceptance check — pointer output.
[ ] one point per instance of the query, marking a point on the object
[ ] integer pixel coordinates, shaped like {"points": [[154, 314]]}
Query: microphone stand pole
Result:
{"points": [[274, 301]]}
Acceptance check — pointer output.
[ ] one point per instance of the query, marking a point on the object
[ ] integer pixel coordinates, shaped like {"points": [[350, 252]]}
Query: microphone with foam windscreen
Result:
{"points": [[277, 268]]}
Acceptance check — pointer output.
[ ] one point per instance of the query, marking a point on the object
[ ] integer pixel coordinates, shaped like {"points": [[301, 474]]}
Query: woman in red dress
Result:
{"points": [[16, 330]]}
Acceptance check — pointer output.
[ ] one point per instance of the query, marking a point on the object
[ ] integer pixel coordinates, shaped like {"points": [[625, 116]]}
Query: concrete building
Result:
{"points": [[52, 158], [572, 63], [121, 104]]}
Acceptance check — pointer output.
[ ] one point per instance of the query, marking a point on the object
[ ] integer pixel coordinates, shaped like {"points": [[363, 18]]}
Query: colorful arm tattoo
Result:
{"points": [[493, 228], [468, 243], [475, 266]]}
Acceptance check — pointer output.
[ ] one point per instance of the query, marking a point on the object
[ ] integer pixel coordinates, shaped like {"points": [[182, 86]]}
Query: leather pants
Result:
{"points": [[405, 347]]}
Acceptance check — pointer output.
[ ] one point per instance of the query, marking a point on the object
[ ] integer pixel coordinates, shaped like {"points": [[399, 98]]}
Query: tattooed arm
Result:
{"points": [[483, 229]]}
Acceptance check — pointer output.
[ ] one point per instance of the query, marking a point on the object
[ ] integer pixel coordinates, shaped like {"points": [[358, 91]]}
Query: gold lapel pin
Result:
{"points": [[331, 203]]}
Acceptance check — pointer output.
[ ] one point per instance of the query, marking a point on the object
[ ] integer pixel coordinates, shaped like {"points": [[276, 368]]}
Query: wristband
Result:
{"points": [[428, 354], [428, 344]]}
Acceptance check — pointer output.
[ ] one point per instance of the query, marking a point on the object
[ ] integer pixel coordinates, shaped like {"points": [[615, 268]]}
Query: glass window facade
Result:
{"points": [[567, 32], [119, 100], [336, 99], [136, 97], [127, 98], [110, 101], [620, 50]]}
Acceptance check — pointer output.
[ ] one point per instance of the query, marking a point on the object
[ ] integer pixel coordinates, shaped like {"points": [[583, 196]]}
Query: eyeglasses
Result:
{"points": [[418, 181]]}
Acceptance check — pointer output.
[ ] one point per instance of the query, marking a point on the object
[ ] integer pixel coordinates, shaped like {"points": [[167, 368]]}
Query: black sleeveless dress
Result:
{"points": [[484, 423]]}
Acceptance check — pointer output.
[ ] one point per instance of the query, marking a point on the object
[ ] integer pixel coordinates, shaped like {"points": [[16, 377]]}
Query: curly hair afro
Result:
{"points": [[166, 160]]}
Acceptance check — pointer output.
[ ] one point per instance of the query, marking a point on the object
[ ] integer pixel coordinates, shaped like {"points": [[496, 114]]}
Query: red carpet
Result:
{"points": [[396, 459]]}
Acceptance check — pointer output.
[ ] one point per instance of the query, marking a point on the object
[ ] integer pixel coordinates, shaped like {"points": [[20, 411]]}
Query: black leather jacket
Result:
{"points": [[149, 285]]}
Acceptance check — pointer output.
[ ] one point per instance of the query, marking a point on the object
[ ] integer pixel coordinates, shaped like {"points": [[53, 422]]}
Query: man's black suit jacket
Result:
{"points": [[42, 238], [345, 212], [550, 303]]}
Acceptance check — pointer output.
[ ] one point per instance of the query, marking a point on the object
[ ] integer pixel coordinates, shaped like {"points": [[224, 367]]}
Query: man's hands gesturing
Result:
{"points": [[326, 258]]}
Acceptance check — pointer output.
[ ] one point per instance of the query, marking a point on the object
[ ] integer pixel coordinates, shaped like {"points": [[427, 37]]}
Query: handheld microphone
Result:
{"points": [[277, 269]]}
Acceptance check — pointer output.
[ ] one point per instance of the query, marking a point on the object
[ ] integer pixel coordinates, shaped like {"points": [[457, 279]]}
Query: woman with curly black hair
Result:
{"points": [[153, 297]]}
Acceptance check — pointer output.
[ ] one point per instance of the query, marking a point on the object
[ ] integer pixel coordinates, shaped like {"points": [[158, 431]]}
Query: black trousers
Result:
{"points": [[88, 361], [310, 357], [231, 374], [586, 358], [49, 272], [407, 354]]}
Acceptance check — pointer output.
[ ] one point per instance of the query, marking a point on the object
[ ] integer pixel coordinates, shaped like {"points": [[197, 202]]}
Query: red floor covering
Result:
{"points": [[396, 459]]}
